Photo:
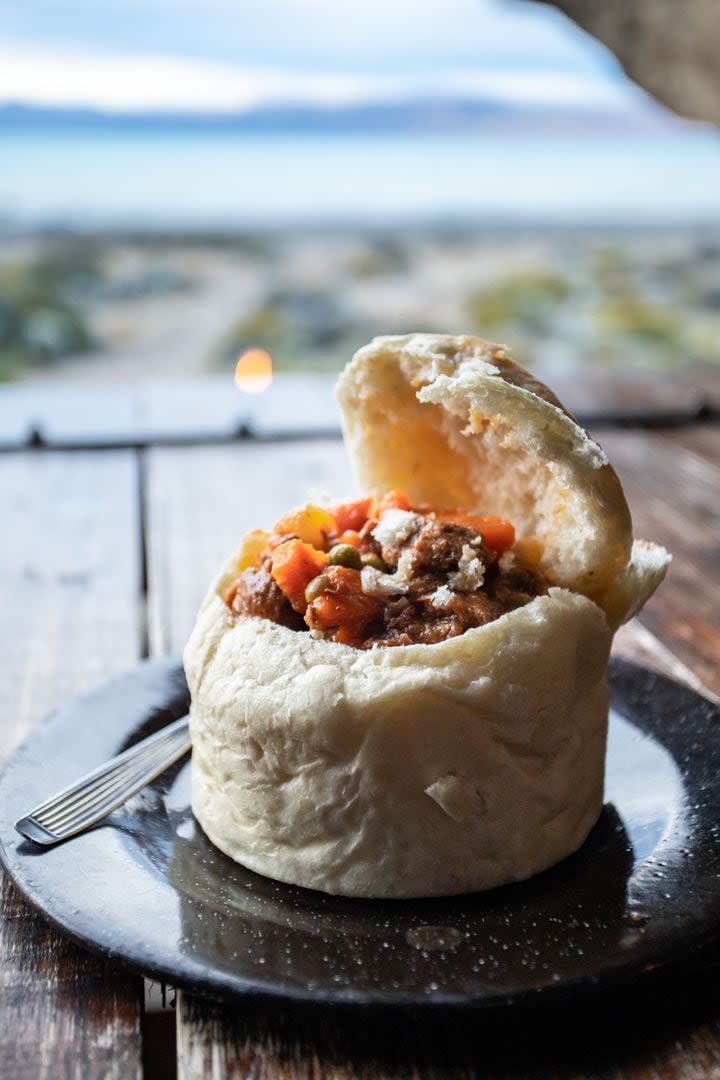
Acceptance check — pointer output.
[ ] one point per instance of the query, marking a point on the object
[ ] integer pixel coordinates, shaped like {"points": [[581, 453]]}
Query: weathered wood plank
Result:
{"points": [[635, 642], [673, 495], [590, 392], [700, 439], [199, 502], [207, 407], [69, 581], [668, 1033]]}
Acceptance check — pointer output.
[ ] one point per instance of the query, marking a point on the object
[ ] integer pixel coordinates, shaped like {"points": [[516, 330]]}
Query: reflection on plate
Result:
{"points": [[149, 887]]}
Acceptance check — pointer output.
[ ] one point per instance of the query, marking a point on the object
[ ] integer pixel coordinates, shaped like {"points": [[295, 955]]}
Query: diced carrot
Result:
{"points": [[331, 610], [498, 534], [313, 524], [351, 516], [394, 500], [294, 565], [351, 537], [343, 602], [350, 634]]}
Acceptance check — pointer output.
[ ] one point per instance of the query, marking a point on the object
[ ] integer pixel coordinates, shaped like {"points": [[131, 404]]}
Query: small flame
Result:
{"points": [[253, 371]]}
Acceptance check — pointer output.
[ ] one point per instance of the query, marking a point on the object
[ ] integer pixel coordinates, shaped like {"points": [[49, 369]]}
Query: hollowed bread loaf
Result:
{"points": [[427, 770]]}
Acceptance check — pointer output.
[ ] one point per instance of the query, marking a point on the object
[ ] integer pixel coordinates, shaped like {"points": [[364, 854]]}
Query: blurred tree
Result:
{"points": [[669, 47]]}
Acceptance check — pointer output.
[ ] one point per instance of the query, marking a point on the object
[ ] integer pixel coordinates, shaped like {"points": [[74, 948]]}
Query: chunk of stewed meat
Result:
{"points": [[257, 594], [516, 585], [428, 621], [438, 547]]}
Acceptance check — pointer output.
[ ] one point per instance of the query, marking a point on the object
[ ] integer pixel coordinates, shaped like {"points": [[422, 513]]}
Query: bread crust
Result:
{"points": [[417, 771], [428, 770], [454, 422]]}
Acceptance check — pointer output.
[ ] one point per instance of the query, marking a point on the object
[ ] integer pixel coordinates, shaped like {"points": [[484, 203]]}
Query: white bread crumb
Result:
{"points": [[375, 583], [395, 526], [470, 573], [441, 597]]}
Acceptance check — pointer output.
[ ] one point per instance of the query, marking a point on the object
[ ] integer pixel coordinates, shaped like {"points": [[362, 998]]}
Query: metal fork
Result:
{"points": [[94, 796]]}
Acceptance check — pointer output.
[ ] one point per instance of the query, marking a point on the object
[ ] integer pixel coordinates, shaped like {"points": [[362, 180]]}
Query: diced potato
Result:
{"points": [[252, 547], [530, 551], [313, 524]]}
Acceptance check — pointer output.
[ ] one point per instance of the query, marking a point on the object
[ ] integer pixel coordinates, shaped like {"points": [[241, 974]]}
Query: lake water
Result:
{"points": [[197, 180]]}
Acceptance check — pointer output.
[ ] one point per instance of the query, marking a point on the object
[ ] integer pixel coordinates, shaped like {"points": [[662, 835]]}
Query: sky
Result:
{"points": [[238, 54]]}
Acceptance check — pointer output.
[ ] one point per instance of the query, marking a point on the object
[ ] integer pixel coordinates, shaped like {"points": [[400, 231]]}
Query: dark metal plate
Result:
{"points": [[147, 887]]}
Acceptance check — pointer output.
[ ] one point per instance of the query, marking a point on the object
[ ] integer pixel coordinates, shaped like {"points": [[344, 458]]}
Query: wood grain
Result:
{"points": [[673, 492], [672, 1031], [635, 642], [68, 618], [200, 502]]}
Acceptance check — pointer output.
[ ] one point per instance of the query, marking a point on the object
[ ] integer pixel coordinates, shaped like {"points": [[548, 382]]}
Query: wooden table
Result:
{"points": [[106, 552]]}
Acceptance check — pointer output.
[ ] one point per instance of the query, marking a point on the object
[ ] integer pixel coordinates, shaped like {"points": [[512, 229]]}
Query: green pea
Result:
{"points": [[316, 587], [345, 555], [378, 563]]}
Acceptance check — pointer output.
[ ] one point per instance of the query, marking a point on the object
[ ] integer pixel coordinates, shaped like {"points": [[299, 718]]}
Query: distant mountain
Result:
{"points": [[412, 117]]}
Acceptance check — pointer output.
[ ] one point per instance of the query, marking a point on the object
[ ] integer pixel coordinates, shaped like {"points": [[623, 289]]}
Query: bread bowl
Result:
{"points": [[427, 769]]}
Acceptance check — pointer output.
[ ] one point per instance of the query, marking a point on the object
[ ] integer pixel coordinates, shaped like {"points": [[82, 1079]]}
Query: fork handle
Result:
{"points": [[95, 795]]}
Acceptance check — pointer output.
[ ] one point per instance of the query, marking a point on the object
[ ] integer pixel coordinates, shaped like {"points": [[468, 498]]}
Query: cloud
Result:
{"points": [[361, 36], [78, 78]]}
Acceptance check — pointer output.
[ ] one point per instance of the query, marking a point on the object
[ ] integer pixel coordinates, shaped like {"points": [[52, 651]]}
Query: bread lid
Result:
{"points": [[453, 422]]}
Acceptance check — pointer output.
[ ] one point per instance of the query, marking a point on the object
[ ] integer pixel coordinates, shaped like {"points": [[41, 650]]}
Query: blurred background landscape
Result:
{"points": [[180, 182]]}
